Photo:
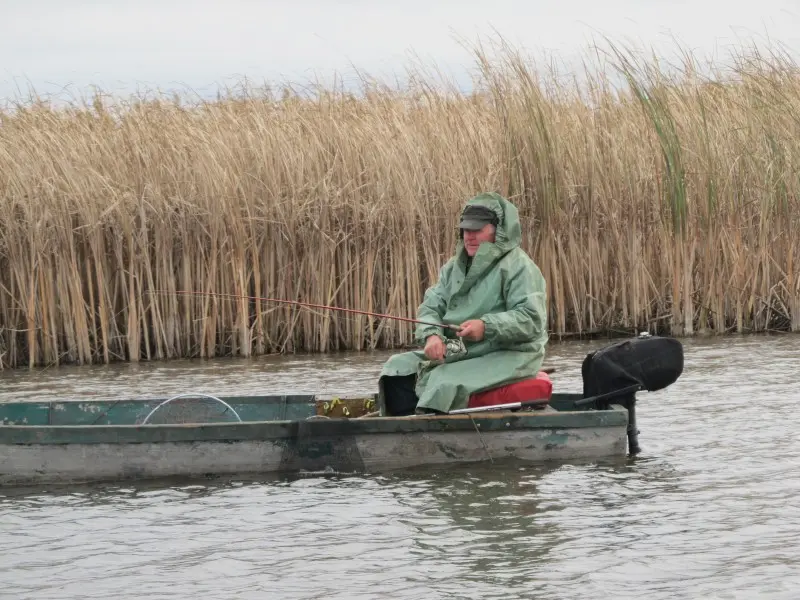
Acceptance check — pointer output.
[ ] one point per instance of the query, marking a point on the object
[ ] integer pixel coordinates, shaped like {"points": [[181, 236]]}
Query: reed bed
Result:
{"points": [[651, 197]]}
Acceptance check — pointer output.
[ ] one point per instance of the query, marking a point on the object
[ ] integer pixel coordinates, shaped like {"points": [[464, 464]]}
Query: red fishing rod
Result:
{"points": [[309, 305], [548, 370]]}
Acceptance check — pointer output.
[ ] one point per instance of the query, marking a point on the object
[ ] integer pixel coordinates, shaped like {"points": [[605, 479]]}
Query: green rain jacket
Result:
{"points": [[505, 289]]}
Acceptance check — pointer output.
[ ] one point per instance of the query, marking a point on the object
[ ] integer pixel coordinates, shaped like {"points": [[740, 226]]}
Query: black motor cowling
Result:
{"points": [[651, 363]]}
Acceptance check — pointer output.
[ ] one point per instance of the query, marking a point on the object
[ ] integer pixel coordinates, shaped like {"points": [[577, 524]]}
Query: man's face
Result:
{"points": [[473, 239]]}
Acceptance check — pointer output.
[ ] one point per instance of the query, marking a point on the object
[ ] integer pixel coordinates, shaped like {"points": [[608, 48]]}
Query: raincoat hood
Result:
{"points": [[509, 231]]}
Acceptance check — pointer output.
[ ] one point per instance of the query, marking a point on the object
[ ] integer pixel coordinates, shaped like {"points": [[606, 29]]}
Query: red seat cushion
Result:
{"points": [[536, 388]]}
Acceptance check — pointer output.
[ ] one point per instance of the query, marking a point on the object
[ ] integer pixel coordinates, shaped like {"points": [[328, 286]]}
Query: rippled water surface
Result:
{"points": [[711, 509]]}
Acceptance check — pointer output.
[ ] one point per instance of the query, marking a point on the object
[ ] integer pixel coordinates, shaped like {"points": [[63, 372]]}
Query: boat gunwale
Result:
{"points": [[313, 427]]}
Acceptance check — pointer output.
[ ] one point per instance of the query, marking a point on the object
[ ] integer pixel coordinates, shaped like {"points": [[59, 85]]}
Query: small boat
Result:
{"points": [[199, 434]]}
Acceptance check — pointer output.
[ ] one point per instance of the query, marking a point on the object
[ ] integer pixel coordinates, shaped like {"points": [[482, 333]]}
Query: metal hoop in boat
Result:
{"points": [[192, 395]]}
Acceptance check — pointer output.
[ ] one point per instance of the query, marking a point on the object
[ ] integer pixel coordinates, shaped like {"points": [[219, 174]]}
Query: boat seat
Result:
{"points": [[535, 388]]}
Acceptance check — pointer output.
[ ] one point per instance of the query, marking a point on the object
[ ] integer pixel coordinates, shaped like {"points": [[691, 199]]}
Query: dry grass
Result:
{"points": [[668, 203]]}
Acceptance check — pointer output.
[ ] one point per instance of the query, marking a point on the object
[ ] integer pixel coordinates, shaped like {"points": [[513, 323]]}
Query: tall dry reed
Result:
{"points": [[668, 203]]}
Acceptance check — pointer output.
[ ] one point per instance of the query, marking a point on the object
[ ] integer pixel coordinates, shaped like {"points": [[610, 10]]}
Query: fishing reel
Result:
{"points": [[454, 347]]}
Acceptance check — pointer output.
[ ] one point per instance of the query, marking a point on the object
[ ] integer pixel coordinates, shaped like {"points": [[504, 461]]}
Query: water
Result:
{"points": [[710, 510]]}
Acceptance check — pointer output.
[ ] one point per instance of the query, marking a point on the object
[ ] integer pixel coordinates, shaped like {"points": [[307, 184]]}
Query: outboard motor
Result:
{"points": [[615, 373]]}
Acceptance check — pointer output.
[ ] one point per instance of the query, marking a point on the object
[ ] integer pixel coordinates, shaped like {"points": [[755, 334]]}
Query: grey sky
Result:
{"points": [[177, 43]]}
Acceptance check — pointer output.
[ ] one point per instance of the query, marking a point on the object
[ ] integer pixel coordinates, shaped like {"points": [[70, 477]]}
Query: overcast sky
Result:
{"points": [[121, 46]]}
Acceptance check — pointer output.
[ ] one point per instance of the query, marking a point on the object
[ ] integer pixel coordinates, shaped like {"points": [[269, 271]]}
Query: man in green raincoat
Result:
{"points": [[494, 294]]}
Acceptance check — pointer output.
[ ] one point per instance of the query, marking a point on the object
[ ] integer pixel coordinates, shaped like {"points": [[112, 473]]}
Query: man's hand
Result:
{"points": [[434, 348], [473, 330]]}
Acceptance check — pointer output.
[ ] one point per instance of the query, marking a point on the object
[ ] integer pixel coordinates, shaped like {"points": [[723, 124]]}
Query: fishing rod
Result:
{"points": [[309, 305], [548, 370]]}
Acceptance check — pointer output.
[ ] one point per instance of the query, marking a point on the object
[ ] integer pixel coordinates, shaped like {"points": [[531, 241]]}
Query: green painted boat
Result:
{"points": [[199, 434]]}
